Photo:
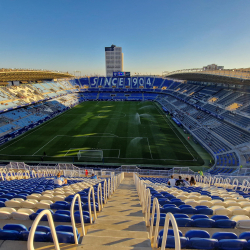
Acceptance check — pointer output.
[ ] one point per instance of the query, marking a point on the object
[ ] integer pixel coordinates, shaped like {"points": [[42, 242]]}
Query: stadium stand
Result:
{"points": [[202, 110]]}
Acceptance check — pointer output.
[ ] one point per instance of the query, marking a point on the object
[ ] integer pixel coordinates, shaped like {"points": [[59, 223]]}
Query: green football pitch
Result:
{"points": [[124, 132]]}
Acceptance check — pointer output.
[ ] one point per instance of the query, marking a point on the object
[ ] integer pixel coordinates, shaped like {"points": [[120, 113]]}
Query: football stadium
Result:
{"points": [[99, 157]]}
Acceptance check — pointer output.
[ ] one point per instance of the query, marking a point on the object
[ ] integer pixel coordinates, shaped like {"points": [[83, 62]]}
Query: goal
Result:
{"points": [[90, 155]]}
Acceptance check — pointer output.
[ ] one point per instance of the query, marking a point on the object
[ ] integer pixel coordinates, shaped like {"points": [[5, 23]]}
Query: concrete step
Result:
{"points": [[115, 233], [115, 241], [91, 247], [120, 217], [130, 225], [128, 212]]}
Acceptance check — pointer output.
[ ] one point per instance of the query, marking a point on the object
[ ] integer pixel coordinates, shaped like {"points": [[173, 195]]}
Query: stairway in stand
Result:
{"points": [[121, 224]]}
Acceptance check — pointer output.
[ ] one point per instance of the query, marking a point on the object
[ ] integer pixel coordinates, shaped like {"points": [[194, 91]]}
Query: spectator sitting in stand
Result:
{"points": [[60, 180], [179, 182], [172, 181], [192, 181], [93, 176], [186, 182]]}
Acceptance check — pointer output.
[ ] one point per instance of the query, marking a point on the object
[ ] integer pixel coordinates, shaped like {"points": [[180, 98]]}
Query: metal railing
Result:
{"points": [[30, 242], [145, 199]]}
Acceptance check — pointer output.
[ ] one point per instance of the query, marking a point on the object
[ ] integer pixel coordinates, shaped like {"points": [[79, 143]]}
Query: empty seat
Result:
{"points": [[224, 235], [243, 224], [6, 213], [236, 244], [222, 211], [13, 203], [29, 203], [219, 217], [201, 243], [189, 210], [206, 211], [206, 203], [199, 216], [225, 223], [170, 243], [38, 237], [208, 223], [184, 222], [245, 235], [45, 204], [197, 234], [22, 214], [239, 217]]}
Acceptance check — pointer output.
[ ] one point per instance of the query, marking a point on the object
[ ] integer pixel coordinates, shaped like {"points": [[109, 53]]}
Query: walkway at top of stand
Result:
{"points": [[121, 223]]}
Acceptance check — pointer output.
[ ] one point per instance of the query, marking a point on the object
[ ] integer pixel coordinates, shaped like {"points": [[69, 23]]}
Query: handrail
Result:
{"points": [[30, 242], [109, 187], [91, 189], [235, 186], [99, 191], [169, 216], [148, 206], [143, 197], [157, 207], [105, 189], [72, 207]]}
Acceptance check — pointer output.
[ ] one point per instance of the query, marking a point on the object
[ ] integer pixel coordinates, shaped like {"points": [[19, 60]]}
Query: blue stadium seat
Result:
{"points": [[201, 243], [44, 229], [61, 217], [15, 227], [237, 244], [189, 210], [10, 235], [245, 235], [220, 217], [207, 211], [204, 223], [172, 210], [170, 232], [197, 234], [184, 222], [199, 216], [38, 237], [224, 235], [225, 223], [171, 242]]}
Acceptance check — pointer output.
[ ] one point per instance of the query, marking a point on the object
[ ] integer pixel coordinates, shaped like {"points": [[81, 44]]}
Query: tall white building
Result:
{"points": [[113, 59]]}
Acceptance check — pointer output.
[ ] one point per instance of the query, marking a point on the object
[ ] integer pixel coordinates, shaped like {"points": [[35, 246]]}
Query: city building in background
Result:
{"points": [[113, 60]]}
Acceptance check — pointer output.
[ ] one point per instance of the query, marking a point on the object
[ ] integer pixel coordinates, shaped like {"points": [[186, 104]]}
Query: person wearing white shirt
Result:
{"points": [[172, 181]]}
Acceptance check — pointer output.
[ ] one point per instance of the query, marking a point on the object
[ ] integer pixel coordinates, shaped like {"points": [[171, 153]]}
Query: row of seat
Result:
{"points": [[200, 239], [42, 234]]}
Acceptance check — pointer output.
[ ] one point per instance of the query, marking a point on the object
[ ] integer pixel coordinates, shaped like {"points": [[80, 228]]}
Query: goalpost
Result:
{"points": [[90, 155]]}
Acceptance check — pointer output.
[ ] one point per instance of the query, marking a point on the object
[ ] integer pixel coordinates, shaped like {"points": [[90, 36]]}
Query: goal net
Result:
{"points": [[90, 155]]}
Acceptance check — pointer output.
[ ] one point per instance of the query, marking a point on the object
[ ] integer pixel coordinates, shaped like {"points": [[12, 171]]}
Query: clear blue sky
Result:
{"points": [[155, 35]]}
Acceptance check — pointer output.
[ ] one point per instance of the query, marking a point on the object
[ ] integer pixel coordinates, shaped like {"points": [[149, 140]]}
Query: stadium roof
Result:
{"points": [[227, 76], [30, 75]]}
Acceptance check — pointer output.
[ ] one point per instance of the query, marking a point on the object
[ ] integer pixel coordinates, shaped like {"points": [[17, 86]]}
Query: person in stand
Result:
{"points": [[60, 180], [192, 181], [200, 172], [172, 181], [186, 182], [86, 172], [179, 182], [93, 176]]}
